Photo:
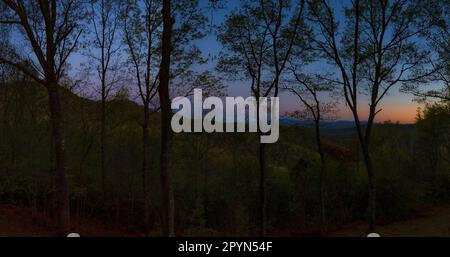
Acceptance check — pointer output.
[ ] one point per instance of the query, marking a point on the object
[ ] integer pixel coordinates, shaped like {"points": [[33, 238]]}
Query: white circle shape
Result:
{"points": [[373, 235], [73, 235]]}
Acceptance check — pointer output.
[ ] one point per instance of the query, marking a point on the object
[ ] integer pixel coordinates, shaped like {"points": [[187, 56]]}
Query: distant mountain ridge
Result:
{"points": [[331, 124]]}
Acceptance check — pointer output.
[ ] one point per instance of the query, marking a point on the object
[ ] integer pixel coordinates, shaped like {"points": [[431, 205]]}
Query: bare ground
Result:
{"points": [[430, 222]]}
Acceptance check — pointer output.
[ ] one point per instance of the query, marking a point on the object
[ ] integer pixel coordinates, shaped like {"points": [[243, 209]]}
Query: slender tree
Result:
{"points": [[104, 53], [317, 99], [166, 113], [141, 29], [375, 51], [143, 37], [51, 28], [258, 39]]}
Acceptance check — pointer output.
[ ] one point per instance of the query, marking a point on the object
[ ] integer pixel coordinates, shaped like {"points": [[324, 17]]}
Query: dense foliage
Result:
{"points": [[215, 185]]}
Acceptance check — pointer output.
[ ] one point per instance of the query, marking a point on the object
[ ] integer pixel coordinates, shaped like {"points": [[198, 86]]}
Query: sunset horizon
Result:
{"points": [[224, 127]]}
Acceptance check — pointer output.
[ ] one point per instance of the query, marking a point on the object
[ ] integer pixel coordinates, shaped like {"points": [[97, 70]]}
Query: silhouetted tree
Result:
{"points": [[317, 99], [104, 53], [375, 51], [435, 16], [166, 114], [258, 38], [51, 28], [141, 28]]}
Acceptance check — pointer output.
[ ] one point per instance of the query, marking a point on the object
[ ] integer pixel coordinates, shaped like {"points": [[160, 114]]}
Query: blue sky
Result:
{"points": [[396, 106]]}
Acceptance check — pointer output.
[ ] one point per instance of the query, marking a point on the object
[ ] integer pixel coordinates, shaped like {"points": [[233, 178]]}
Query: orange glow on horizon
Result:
{"points": [[396, 107], [403, 113]]}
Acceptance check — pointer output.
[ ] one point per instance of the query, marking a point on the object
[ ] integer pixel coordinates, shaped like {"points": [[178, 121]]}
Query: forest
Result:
{"points": [[86, 143]]}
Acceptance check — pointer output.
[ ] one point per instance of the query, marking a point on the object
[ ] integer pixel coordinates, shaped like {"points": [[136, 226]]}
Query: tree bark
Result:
{"points": [[262, 190], [372, 187], [364, 143], [262, 175], [321, 178], [146, 168], [103, 147], [62, 190], [166, 132]]}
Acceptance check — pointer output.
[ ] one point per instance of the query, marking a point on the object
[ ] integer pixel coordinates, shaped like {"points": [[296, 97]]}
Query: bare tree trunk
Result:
{"points": [[364, 143], [146, 168], [166, 132], [321, 178], [62, 190], [372, 187], [50, 43], [262, 176], [102, 147], [262, 190]]}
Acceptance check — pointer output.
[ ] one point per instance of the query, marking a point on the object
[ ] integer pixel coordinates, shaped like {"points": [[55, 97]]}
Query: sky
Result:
{"points": [[396, 106]]}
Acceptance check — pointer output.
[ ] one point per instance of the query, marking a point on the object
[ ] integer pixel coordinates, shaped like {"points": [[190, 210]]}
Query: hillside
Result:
{"points": [[215, 175]]}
